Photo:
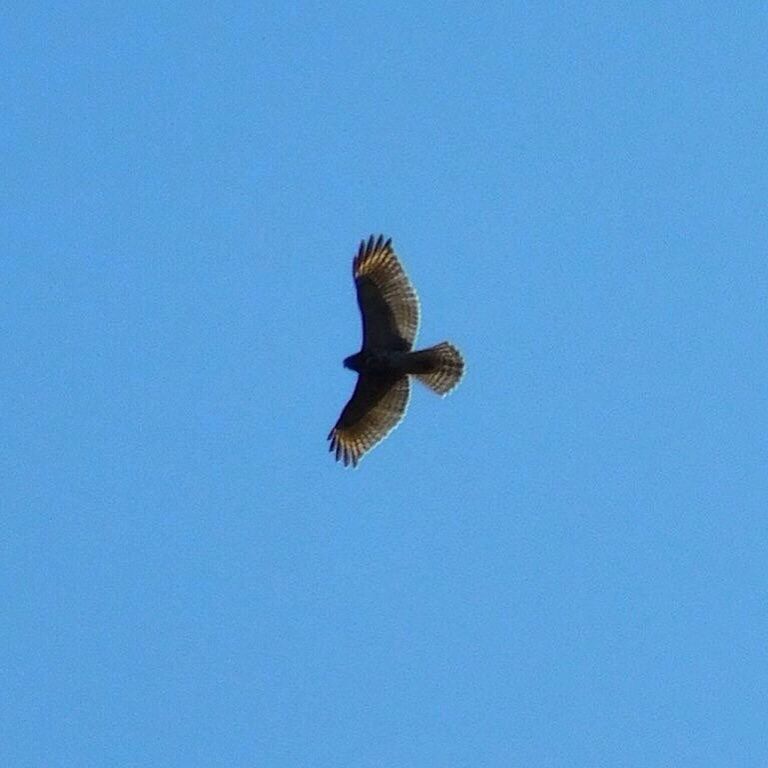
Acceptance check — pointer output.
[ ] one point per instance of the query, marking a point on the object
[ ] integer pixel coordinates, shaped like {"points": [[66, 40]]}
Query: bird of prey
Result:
{"points": [[390, 312]]}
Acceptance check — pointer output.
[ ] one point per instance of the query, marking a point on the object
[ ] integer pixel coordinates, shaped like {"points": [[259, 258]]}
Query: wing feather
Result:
{"points": [[376, 407], [388, 302]]}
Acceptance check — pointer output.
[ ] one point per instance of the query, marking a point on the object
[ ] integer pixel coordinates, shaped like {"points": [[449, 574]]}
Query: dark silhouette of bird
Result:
{"points": [[390, 311]]}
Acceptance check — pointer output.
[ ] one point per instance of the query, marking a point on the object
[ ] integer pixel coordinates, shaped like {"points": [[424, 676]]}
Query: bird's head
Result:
{"points": [[352, 362]]}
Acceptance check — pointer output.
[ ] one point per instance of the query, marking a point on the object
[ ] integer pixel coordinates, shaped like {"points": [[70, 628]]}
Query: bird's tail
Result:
{"points": [[440, 367]]}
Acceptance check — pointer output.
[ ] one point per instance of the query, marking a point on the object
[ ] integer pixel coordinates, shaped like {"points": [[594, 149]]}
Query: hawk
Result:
{"points": [[390, 311]]}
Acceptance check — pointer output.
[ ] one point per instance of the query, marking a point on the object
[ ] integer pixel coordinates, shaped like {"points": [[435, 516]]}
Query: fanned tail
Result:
{"points": [[440, 367]]}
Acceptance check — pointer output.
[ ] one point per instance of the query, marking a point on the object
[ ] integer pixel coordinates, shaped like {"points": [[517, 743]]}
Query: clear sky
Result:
{"points": [[563, 563]]}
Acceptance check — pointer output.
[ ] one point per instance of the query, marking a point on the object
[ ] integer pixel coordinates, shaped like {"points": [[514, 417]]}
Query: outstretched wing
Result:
{"points": [[388, 302], [376, 407]]}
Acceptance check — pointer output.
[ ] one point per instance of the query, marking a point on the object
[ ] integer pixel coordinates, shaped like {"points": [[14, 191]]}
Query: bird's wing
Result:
{"points": [[376, 407], [388, 302]]}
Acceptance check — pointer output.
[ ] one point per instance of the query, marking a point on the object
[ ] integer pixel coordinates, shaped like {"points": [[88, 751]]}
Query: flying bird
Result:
{"points": [[390, 311]]}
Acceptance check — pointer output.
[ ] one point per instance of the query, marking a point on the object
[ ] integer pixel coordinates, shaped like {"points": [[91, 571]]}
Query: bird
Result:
{"points": [[389, 307]]}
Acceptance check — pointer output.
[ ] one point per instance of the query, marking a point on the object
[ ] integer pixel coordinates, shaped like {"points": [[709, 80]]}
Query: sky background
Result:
{"points": [[563, 563]]}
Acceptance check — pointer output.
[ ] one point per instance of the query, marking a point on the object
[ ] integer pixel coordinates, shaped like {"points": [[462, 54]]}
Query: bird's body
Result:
{"points": [[384, 361], [390, 313]]}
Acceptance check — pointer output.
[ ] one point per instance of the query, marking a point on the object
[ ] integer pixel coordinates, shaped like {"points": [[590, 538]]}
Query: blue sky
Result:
{"points": [[563, 563]]}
